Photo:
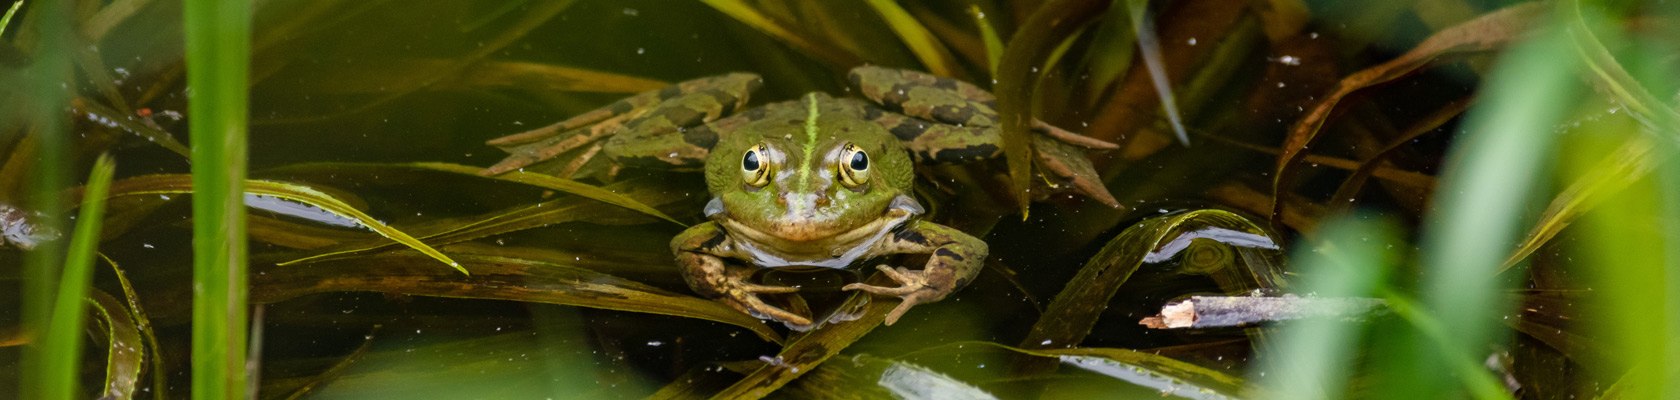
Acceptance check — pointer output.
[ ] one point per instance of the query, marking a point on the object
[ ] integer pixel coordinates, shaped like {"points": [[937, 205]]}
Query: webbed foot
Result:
{"points": [[743, 296], [913, 289]]}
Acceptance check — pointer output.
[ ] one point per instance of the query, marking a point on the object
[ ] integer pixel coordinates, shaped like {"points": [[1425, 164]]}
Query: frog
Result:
{"points": [[818, 181]]}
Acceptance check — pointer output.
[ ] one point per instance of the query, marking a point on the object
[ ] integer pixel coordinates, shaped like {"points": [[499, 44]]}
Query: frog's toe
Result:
{"points": [[908, 282], [910, 300], [757, 308]]}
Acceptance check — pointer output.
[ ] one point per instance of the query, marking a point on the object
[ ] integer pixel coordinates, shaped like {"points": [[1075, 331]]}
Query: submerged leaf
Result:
{"points": [[494, 277], [179, 184], [125, 350], [868, 377], [1489, 32], [550, 182], [1074, 311]]}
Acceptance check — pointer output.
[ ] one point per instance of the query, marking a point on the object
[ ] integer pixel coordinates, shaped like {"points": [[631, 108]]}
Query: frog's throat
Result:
{"points": [[838, 251]]}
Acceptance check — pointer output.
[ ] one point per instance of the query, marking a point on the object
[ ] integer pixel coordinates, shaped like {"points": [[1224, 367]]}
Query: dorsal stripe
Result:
{"points": [[810, 145]]}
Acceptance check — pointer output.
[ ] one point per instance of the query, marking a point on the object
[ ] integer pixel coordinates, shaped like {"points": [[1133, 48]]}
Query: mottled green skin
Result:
{"points": [[803, 212]]}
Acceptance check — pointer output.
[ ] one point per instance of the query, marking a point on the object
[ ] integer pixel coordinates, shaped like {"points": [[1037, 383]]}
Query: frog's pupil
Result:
{"points": [[860, 161], [750, 162]]}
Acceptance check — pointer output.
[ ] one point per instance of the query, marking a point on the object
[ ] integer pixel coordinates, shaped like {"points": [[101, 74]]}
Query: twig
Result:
{"points": [[1228, 311]]}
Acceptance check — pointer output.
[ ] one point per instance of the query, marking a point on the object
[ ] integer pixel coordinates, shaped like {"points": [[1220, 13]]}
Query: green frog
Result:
{"points": [[815, 182]]}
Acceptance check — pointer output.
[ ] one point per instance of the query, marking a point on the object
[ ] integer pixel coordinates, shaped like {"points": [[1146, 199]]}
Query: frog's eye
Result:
{"points": [[753, 167], [854, 166]]}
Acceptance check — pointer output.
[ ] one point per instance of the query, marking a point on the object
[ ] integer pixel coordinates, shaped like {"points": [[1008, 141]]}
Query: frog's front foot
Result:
{"points": [[914, 288], [743, 296]]}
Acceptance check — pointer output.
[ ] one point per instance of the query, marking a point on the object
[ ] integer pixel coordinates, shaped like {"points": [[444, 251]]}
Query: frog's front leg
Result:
{"points": [[701, 251], [954, 259]]}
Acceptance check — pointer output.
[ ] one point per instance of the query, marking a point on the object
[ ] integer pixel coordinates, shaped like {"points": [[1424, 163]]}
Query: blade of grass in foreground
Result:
{"points": [[50, 22], [1484, 189], [218, 43], [1317, 354], [63, 339]]}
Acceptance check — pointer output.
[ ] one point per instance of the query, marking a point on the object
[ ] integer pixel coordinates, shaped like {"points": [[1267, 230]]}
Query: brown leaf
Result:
{"points": [[1489, 32]]}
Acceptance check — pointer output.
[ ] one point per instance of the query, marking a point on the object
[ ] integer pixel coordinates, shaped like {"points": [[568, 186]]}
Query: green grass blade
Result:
{"points": [[313, 197], [125, 348], [48, 172], [563, 185], [1482, 200], [6, 20], [160, 374], [218, 63], [922, 43], [1313, 358], [177, 184], [745, 13], [63, 337]]}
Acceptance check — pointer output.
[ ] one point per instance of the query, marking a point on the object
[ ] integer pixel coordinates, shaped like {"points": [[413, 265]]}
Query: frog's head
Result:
{"points": [[810, 180]]}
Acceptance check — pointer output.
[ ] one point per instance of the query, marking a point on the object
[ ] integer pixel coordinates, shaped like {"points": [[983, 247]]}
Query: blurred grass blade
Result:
{"points": [[562, 185], [497, 277], [746, 14], [1612, 78], [47, 170], [1150, 48], [179, 184], [988, 36], [1485, 187], [1488, 32], [1628, 164], [922, 43], [6, 21], [1445, 354], [1017, 76], [125, 350], [1313, 358], [62, 341], [1074, 311]]}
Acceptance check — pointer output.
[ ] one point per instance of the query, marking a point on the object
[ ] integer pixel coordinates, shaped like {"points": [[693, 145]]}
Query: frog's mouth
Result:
{"points": [[818, 244]]}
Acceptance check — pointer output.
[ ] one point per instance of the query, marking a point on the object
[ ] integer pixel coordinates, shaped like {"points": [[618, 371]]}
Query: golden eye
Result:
{"points": [[854, 166], [754, 169]]}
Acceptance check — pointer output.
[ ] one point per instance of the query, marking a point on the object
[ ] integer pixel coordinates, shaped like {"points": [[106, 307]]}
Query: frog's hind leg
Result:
{"points": [[943, 120], [726, 91]]}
